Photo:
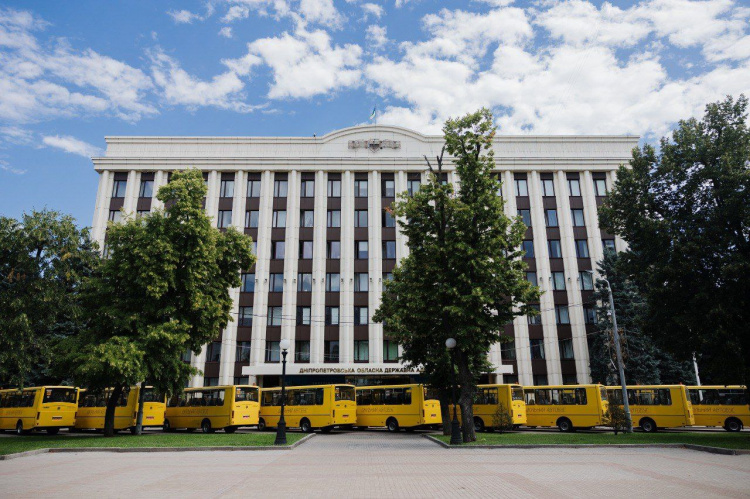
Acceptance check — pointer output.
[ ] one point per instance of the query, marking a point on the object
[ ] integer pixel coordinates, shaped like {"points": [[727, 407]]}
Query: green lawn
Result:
{"points": [[10, 445], [713, 439]]}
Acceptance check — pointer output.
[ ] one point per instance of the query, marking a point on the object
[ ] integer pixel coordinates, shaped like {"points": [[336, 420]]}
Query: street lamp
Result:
{"points": [[618, 353], [281, 428], [456, 439]]}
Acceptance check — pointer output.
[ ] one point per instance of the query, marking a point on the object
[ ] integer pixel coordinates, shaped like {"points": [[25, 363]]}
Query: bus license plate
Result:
{"points": [[56, 418], [246, 417], [149, 417]]}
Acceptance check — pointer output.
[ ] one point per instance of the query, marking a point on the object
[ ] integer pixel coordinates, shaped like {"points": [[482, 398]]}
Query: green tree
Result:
{"points": [[685, 211], [463, 277], [615, 418], [163, 290], [502, 421], [645, 363], [43, 259]]}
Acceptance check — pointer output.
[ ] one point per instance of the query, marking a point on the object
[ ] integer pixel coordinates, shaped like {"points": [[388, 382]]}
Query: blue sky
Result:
{"points": [[73, 72]]}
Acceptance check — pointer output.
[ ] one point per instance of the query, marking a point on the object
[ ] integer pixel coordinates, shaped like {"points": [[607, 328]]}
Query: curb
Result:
{"points": [[699, 448], [61, 450]]}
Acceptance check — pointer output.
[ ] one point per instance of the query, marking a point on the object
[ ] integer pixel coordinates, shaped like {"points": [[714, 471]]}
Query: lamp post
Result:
{"points": [[281, 428], [456, 438]]}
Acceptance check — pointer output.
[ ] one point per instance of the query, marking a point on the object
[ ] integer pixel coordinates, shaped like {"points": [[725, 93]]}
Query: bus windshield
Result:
{"points": [[246, 394], [150, 395], [518, 393], [59, 395], [344, 393]]}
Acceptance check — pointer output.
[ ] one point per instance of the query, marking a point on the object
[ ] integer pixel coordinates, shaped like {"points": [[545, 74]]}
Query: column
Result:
{"points": [[160, 179], [131, 192], [375, 266], [402, 250], [289, 301], [317, 312], [591, 217], [346, 329], [260, 302], [101, 211]]}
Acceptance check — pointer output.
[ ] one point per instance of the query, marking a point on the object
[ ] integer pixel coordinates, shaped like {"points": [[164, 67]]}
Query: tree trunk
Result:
{"points": [[139, 416], [466, 399], [109, 415], [445, 411]]}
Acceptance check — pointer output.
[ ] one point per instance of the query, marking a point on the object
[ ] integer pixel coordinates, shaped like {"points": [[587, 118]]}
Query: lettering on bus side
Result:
{"points": [[374, 409]]}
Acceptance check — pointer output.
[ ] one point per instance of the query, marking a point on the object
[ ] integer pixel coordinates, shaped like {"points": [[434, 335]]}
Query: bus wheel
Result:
{"points": [[326, 429], [648, 425], [19, 428], [262, 424], [305, 425], [133, 430], [53, 431], [166, 427], [392, 425], [206, 426], [733, 424], [230, 429], [565, 425], [478, 424]]}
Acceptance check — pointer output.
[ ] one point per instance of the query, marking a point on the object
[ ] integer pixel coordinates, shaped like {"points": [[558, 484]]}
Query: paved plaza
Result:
{"points": [[378, 464]]}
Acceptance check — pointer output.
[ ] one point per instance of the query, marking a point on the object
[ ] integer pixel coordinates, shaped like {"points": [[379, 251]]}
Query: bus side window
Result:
{"points": [[319, 396], [378, 396], [665, 396], [407, 396], [581, 396]]}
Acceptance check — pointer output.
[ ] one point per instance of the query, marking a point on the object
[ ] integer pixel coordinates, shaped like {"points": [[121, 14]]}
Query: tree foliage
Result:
{"points": [[685, 211], [44, 258], [163, 290], [615, 418], [463, 277], [502, 420]]}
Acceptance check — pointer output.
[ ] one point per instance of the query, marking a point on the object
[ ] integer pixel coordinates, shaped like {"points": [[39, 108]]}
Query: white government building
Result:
{"points": [[325, 245]]}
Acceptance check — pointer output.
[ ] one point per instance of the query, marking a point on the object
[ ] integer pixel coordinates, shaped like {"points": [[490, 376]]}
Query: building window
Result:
{"points": [[540, 379], [558, 281], [390, 351], [333, 283], [389, 250], [142, 213], [587, 282], [274, 316], [537, 349], [548, 187], [253, 188], [531, 277], [554, 248], [118, 188], [248, 283], [360, 188], [213, 352], [360, 218], [306, 218], [388, 220], [525, 217], [276, 283], [389, 189], [243, 352], [331, 351], [562, 316], [361, 350], [589, 314], [332, 316], [387, 277], [360, 250], [574, 186], [566, 349], [334, 218], [273, 353], [334, 188], [225, 219], [246, 317], [210, 381], [305, 250], [279, 219], [226, 189], [412, 186], [280, 188], [333, 250], [147, 189], [600, 187], [277, 250], [608, 244], [115, 216], [577, 216], [241, 380], [302, 351], [361, 282], [534, 320], [304, 282], [569, 379], [582, 248], [361, 316], [528, 248], [251, 219], [303, 316], [307, 189], [550, 218], [508, 350], [522, 187]]}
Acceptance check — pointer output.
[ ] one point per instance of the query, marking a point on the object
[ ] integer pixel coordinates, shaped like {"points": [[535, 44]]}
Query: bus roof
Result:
{"points": [[307, 386], [559, 387], [370, 387], [218, 387]]}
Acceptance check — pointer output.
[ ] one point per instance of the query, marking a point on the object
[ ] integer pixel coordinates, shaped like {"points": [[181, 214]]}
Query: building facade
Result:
{"points": [[325, 246]]}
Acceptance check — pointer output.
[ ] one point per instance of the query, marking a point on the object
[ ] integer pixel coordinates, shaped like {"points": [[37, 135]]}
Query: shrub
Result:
{"points": [[615, 418], [502, 421]]}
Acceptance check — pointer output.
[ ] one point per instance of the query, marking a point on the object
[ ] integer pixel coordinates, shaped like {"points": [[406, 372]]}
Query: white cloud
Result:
{"points": [[226, 32], [236, 12], [16, 135], [321, 12], [372, 9], [72, 145], [376, 36], [401, 3], [184, 16], [5, 166]]}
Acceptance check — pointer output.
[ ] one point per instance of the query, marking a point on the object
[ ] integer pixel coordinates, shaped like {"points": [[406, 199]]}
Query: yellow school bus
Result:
{"points": [[38, 408], [213, 408], [487, 401], [566, 406], [725, 406], [309, 407], [92, 407], [396, 407], [656, 406]]}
